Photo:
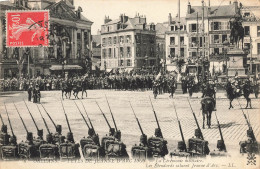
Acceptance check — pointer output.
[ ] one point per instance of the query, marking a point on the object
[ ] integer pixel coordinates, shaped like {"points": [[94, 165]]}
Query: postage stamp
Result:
{"points": [[27, 28]]}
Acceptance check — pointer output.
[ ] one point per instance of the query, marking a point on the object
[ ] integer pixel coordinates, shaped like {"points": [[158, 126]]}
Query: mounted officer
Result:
{"points": [[209, 94]]}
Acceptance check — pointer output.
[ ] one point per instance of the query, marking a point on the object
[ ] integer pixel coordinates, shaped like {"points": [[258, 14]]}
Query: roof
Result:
{"points": [[62, 10], [182, 20], [131, 23], [161, 28], [8, 5], [212, 11], [96, 38]]}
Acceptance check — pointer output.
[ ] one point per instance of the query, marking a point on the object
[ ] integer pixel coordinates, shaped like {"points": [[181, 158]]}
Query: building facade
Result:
{"points": [[69, 42], [173, 50], [128, 43], [251, 23]]}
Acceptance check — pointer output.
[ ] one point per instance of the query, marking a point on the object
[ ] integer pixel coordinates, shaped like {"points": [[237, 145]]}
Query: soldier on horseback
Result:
{"points": [[209, 94]]}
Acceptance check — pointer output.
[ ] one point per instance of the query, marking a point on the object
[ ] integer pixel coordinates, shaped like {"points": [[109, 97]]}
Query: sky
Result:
{"points": [[156, 11]]}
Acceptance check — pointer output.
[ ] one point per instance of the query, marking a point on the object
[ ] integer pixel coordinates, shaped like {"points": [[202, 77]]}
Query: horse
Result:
{"points": [[76, 88], [207, 105], [67, 88]]}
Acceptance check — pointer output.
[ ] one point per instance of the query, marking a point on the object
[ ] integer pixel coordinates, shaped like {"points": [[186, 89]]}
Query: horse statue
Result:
{"points": [[237, 31]]}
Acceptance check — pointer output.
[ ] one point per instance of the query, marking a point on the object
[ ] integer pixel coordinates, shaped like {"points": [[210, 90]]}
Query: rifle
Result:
{"points": [[21, 119], [248, 123], [182, 137], [155, 116], [66, 117], [32, 118], [104, 116], [111, 113], [82, 115], [49, 116], [220, 132], [43, 120], [8, 120], [88, 116], [137, 119], [196, 120]]}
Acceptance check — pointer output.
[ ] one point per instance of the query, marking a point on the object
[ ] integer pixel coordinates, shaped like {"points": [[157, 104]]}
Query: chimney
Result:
{"points": [[209, 3], [121, 18], [169, 19], [107, 19], [189, 8], [236, 6]]}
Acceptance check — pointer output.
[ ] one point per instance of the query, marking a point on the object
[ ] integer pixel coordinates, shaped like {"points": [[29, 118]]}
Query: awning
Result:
{"points": [[66, 67]]}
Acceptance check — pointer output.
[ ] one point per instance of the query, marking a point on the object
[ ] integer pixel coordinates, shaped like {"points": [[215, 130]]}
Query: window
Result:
{"points": [[193, 41], [109, 40], [172, 52], [172, 40], [216, 51], [247, 14], [109, 52], [104, 41], [216, 25], [114, 40], [224, 37], [182, 40], [193, 27], [247, 30], [121, 62], [216, 38], [172, 28], [121, 39], [128, 63], [78, 36], [247, 45], [258, 31], [193, 54], [181, 27], [182, 52], [121, 51], [128, 39], [128, 52]]}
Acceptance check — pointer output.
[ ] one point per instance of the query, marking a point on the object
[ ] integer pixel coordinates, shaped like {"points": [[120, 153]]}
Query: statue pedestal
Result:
{"points": [[236, 62]]}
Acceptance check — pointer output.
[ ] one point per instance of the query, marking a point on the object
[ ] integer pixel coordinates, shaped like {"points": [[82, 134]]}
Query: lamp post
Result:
{"points": [[226, 44]]}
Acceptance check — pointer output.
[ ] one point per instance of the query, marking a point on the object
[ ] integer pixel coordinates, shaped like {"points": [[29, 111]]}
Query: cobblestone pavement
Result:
{"points": [[232, 121]]}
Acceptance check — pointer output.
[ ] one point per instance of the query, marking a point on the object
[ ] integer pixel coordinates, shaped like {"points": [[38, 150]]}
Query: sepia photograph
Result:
{"points": [[150, 84]]}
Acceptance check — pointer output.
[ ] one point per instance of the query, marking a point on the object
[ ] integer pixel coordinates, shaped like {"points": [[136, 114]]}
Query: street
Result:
{"points": [[232, 122]]}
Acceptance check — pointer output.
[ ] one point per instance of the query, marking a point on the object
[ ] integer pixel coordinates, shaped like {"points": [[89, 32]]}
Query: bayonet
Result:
{"points": [[182, 137], [88, 116], [137, 119], [155, 115], [221, 135], [103, 115], [43, 120], [9, 121], [21, 119], [196, 120], [82, 115], [49, 116], [66, 117], [111, 113]]}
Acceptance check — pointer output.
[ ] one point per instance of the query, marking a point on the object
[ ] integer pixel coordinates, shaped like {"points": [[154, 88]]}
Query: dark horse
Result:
{"points": [[66, 88], [76, 87], [233, 94], [207, 105], [84, 87]]}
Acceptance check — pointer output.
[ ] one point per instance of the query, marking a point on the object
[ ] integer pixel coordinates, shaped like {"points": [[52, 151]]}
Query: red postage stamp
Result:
{"points": [[27, 28]]}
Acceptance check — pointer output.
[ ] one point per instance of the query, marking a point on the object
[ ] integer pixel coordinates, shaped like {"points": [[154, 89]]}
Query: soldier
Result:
{"points": [[209, 92], [4, 137], [30, 92], [36, 94]]}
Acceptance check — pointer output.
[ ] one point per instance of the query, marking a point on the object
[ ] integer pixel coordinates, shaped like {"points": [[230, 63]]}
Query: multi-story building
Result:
{"points": [[128, 43], [251, 23], [96, 51], [161, 29], [173, 50], [69, 41]]}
